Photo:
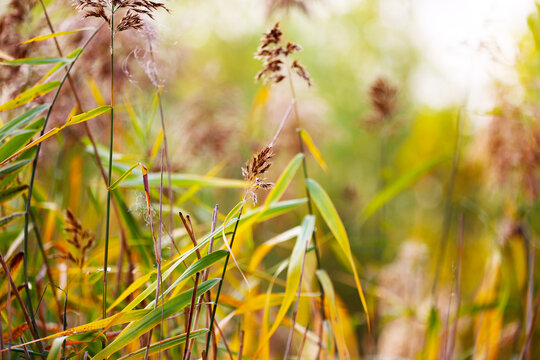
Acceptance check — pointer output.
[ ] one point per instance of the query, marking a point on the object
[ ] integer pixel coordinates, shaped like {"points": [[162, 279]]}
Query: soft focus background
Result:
{"points": [[455, 159]]}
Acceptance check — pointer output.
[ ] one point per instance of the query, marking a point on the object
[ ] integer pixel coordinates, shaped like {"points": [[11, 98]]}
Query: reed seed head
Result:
{"points": [[383, 96], [80, 238], [132, 17], [254, 173], [274, 56]]}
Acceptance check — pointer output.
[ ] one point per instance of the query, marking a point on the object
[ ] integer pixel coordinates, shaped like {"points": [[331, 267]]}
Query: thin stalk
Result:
{"points": [[11, 284], [111, 141], [453, 331], [301, 348], [448, 208], [242, 333], [32, 179], [221, 281], [124, 247], [308, 195], [191, 311], [2, 339]]}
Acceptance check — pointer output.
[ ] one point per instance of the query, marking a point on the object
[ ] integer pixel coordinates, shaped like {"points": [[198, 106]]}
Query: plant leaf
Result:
{"points": [[153, 318], [165, 344], [400, 184], [293, 275], [50, 36], [332, 219], [34, 61], [29, 95], [306, 138], [332, 311], [284, 180], [77, 119], [21, 121]]}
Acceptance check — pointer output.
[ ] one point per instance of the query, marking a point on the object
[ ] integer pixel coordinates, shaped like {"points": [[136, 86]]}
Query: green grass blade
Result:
{"points": [[293, 275], [137, 328], [284, 180], [17, 142], [165, 344], [21, 121], [332, 219], [55, 352], [10, 193], [403, 182], [186, 180], [332, 310], [77, 119], [34, 61], [29, 95]]}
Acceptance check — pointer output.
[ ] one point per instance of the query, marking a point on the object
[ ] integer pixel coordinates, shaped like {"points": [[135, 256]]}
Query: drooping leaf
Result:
{"points": [[50, 36], [332, 219], [21, 121], [12, 192], [403, 182], [165, 344], [293, 275], [306, 138], [153, 318], [284, 179], [332, 313], [77, 119], [29, 95]]}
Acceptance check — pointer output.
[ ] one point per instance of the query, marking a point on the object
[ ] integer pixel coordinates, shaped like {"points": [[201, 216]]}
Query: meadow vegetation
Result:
{"points": [[173, 186]]}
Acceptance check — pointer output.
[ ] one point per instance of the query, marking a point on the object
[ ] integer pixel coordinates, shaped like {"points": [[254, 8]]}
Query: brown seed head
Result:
{"points": [[273, 54], [383, 96], [254, 173]]}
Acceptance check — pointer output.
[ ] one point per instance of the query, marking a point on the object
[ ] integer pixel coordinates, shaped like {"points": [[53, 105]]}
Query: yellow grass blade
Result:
{"points": [[56, 34], [77, 119], [29, 95], [332, 313], [306, 138], [39, 140], [293, 276]]}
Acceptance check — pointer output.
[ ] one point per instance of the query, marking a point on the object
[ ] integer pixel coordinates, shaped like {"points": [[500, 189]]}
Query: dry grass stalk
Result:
{"points": [[274, 55]]}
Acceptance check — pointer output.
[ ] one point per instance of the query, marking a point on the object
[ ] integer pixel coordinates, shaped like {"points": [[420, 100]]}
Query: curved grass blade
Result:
{"points": [[187, 180], [403, 182], [29, 95], [6, 170], [39, 140], [165, 344], [56, 34], [21, 120], [153, 318], [306, 138], [55, 352], [17, 141], [293, 276], [284, 180], [10, 193], [6, 220], [332, 219], [198, 266], [124, 176], [34, 61], [332, 312], [77, 119], [264, 248], [120, 318]]}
